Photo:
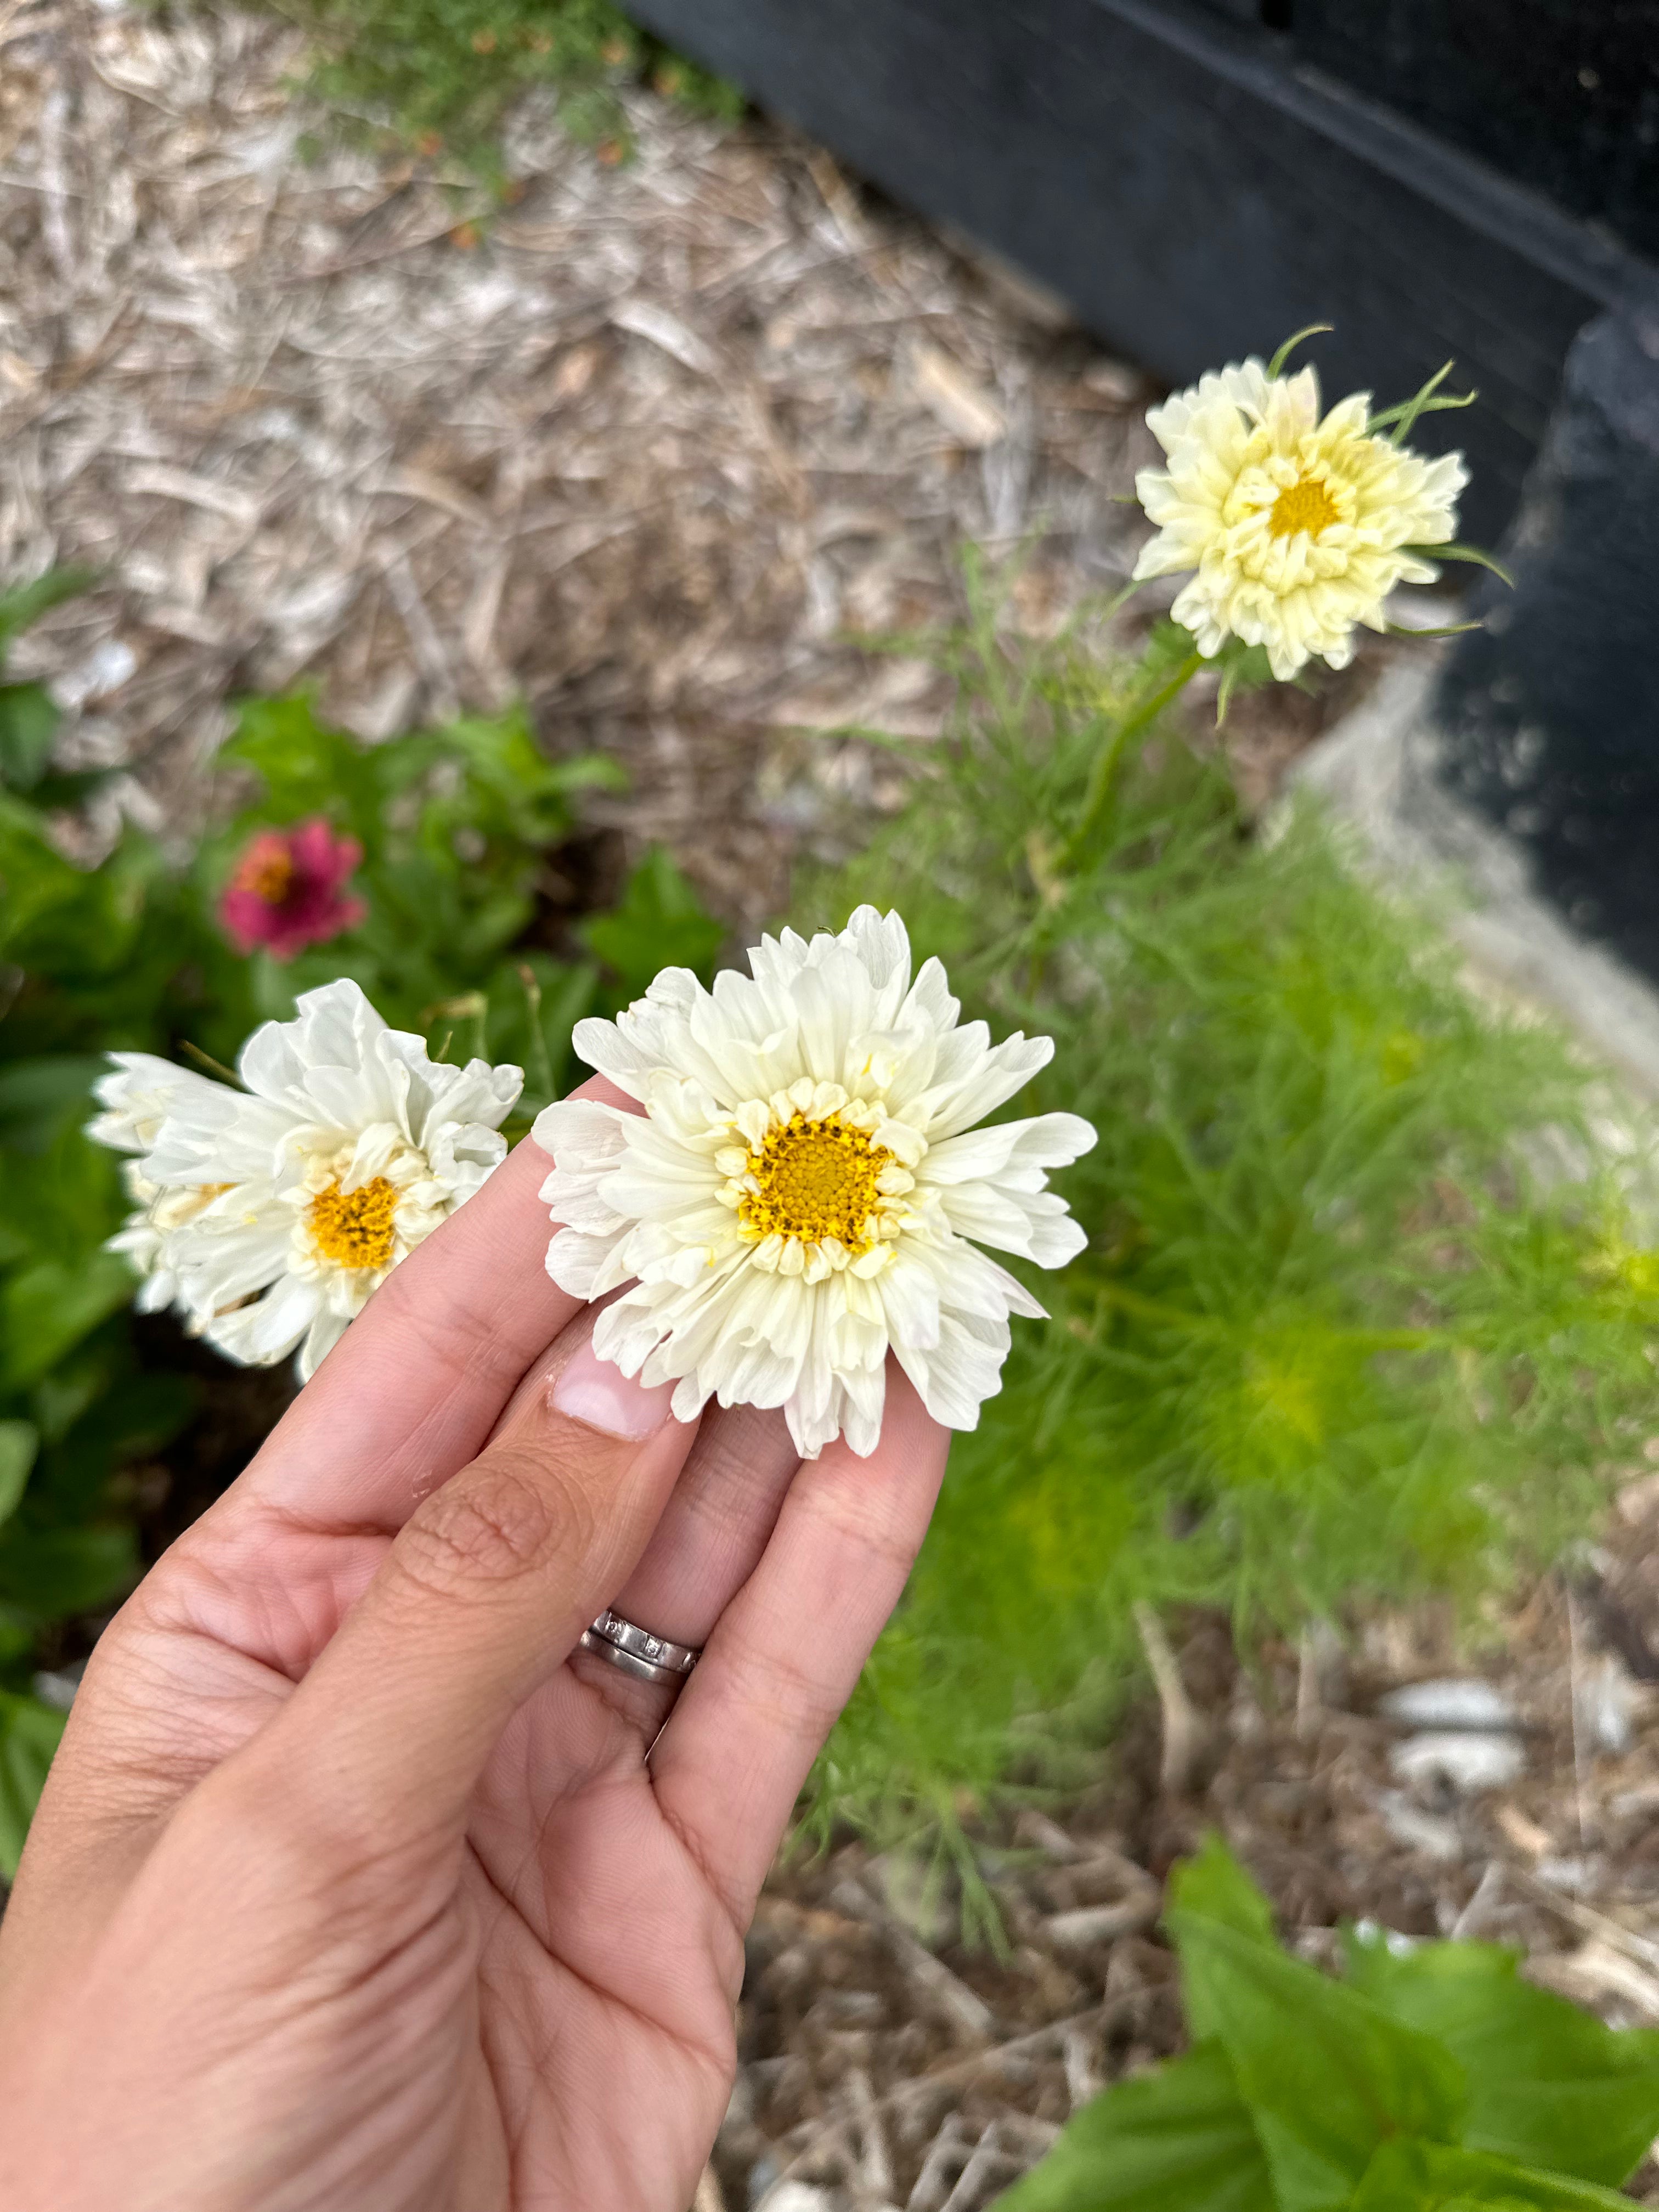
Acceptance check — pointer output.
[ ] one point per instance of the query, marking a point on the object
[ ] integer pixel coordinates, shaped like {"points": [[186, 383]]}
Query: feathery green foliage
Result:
{"points": [[1363, 1312]]}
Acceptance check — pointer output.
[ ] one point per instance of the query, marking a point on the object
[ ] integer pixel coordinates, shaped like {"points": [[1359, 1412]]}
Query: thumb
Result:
{"points": [[485, 1591]]}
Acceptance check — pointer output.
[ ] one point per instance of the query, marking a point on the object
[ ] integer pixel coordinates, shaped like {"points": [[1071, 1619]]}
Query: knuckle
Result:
{"points": [[506, 1516]]}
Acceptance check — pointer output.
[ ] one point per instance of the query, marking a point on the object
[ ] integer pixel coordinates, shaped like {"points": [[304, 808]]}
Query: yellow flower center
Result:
{"points": [[1304, 505], [354, 1227], [817, 1179], [268, 873]]}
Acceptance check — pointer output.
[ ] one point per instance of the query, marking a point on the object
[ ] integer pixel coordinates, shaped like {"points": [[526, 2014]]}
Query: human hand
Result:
{"points": [[357, 1884]]}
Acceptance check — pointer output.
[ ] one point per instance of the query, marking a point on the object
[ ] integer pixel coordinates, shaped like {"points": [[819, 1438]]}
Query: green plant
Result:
{"points": [[1431, 2078], [1364, 1310], [440, 74], [457, 826]]}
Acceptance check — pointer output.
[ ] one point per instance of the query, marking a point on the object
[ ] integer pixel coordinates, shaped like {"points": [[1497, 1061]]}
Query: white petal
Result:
{"points": [[1048, 1140]]}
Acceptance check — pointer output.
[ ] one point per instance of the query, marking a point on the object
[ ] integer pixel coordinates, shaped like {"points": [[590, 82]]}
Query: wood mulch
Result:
{"points": [[652, 446]]}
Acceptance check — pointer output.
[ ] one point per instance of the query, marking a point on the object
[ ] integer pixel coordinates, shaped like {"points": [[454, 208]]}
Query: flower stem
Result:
{"points": [[1103, 775]]}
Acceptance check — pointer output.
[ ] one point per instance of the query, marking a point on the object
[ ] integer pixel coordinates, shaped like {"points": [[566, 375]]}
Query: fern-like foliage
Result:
{"points": [[1366, 1309]]}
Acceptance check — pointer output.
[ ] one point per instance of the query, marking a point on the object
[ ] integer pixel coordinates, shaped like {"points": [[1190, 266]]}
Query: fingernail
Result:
{"points": [[588, 1388]]}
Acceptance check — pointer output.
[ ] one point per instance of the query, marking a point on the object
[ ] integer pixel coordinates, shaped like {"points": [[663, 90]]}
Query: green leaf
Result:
{"points": [[47, 1309], [1214, 1883], [660, 923], [1441, 629], [1275, 366], [1470, 553], [1427, 400], [46, 1573], [24, 605], [18, 1441], [28, 723], [35, 1094], [1427, 2177], [307, 769], [1327, 2075], [29, 1735], [1548, 2084], [1180, 2137]]}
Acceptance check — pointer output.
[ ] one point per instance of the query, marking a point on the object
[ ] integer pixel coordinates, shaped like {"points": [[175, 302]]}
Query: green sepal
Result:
{"points": [[1312, 330], [1428, 400], [1470, 553]]}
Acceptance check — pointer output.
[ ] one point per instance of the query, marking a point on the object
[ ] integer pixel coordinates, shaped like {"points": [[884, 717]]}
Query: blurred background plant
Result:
{"points": [[460, 925], [1368, 1306]]}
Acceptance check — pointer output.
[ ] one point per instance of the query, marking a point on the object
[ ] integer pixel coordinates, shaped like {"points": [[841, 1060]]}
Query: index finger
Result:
{"points": [[413, 1389]]}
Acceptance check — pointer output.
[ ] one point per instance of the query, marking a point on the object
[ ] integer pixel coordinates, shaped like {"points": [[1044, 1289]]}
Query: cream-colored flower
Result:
{"points": [[269, 1215], [1296, 527], [797, 1197]]}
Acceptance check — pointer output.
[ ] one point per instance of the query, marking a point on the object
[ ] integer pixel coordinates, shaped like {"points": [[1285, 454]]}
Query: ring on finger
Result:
{"points": [[638, 1651]]}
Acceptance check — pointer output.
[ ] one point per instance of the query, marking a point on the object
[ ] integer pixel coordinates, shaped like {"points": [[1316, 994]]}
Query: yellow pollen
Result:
{"points": [[817, 1179], [1304, 505], [354, 1228], [268, 873]]}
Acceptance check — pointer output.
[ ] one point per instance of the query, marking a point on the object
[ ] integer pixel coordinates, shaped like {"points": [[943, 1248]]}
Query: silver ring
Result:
{"points": [[649, 1658]]}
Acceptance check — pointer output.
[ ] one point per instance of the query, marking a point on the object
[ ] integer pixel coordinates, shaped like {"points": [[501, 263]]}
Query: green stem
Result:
{"points": [[542, 1063], [1103, 773], [214, 1067]]}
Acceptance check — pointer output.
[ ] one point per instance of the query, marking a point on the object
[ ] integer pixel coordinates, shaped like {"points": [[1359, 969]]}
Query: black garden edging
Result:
{"points": [[1192, 189], [1198, 180]]}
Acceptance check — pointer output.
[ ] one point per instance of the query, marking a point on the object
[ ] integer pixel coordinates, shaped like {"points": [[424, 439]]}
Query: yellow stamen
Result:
{"points": [[268, 873], [1304, 505], [354, 1228], [817, 1180]]}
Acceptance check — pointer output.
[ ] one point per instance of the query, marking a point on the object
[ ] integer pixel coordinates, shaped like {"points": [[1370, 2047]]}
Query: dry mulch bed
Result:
{"points": [[652, 446]]}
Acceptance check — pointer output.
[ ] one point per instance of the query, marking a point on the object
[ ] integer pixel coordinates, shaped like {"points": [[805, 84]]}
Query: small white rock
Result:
{"points": [[1469, 1761], [798, 2196], [1421, 1832], [1605, 1699], [1456, 1703], [58, 1688], [106, 669]]}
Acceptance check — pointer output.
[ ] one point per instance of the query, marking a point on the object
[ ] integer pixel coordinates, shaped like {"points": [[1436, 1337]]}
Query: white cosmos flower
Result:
{"points": [[269, 1215], [1296, 527], [798, 1196]]}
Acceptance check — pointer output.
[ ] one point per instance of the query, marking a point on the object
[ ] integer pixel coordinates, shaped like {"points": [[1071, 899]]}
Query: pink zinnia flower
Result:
{"points": [[285, 892]]}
